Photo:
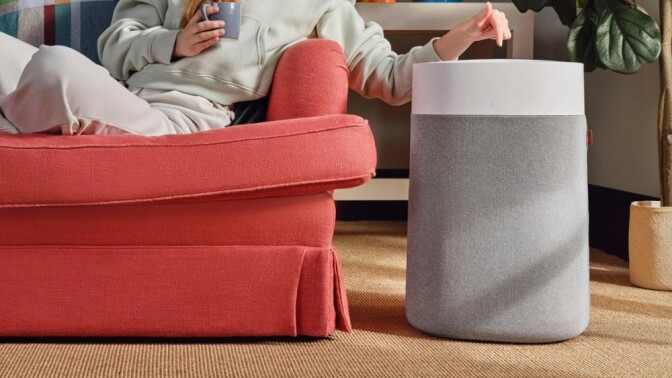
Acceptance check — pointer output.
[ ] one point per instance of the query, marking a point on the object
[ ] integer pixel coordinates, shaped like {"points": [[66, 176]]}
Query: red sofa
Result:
{"points": [[219, 233]]}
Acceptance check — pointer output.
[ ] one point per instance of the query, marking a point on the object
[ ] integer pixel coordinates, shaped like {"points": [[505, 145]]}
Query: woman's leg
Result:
{"points": [[62, 91], [16, 55]]}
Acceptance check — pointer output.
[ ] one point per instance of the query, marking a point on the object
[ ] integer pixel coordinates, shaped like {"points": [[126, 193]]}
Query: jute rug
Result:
{"points": [[630, 334]]}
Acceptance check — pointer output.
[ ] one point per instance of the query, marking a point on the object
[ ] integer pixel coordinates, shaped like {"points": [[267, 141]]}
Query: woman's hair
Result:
{"points": [[189, 11]]}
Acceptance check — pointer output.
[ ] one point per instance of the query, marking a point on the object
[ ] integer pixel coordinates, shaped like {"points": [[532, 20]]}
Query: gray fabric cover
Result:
{"points": [[498, 227]]}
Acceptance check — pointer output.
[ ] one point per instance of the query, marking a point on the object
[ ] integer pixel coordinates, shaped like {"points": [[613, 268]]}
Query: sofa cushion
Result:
{"points": [[288, 157], [74, 23]]}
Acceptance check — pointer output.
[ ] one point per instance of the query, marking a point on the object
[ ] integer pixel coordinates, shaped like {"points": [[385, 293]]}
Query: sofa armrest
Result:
{"points": [[311, 79]]}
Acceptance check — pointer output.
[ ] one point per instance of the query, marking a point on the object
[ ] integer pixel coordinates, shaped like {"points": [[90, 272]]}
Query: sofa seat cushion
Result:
{"points": [[288, 157]]}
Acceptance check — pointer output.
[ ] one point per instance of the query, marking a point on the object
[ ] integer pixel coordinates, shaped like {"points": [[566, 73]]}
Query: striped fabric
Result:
{"points": [[74, 23]]}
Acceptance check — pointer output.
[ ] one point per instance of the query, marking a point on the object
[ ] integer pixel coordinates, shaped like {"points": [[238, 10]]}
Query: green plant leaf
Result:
{"points": [[581, 3], [525, 5], [581, 41], [626, 38], [566, 10]]}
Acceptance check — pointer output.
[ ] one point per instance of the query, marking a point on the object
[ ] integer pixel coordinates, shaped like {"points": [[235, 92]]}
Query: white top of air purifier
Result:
{"points": [[498, 87]]}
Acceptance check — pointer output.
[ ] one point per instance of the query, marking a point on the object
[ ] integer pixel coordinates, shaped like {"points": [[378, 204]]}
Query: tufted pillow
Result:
{"points": [[74, 23]]}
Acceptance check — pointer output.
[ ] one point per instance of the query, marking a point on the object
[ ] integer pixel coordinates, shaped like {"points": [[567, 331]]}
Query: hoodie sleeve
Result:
{"points": [[136, 38], [375, 70]]}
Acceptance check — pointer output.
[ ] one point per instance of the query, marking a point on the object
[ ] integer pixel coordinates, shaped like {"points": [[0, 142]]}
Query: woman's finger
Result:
{"points": [[492, 34], [209, 25], [211, 10], [208, 35], [195, 19], [200, 46], [507, 30], [505, 25], [482, 17], [489, 34], [496, 23], [198, 17]]}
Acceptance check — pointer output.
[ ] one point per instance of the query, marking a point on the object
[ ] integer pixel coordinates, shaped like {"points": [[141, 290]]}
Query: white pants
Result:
{"points": [[55, 89]]}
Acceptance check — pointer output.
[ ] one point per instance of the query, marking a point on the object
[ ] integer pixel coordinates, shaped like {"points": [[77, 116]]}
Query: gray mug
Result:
{"points": [[229, 13]]}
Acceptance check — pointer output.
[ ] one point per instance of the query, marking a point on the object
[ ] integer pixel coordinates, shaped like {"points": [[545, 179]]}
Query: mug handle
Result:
{"points": [[204, 7]]}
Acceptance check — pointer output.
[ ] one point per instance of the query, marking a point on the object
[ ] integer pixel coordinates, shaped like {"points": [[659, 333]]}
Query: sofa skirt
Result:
{"points": [[171, 291]]}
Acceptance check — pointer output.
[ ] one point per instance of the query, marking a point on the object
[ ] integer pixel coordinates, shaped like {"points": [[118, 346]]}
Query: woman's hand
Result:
{"points": [[198, 35], [487, 24]]}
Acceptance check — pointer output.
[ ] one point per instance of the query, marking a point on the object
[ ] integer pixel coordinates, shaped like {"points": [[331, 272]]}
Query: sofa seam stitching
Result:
{"points": [[133, 145], [184, 196]]}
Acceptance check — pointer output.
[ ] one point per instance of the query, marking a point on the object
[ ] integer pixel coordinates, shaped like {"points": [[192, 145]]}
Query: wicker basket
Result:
{"points": [[650, 246]]}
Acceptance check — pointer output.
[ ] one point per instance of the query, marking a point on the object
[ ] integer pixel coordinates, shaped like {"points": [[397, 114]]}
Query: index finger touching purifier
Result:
{"points": [[498, 202]]}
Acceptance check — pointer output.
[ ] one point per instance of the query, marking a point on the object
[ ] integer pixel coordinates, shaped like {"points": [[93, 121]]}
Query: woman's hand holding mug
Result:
{"points": [[198, 35]]}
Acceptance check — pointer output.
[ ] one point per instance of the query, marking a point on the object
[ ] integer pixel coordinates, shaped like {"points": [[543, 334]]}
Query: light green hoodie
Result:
{"points": [[138, 46]]}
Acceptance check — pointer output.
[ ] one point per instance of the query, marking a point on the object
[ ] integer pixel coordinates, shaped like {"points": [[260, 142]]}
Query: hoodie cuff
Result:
{"points": [[426, 53], [162, 45]]}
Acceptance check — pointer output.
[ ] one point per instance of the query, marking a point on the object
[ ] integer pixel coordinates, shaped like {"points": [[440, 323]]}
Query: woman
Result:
{"points": [[181, 76]]}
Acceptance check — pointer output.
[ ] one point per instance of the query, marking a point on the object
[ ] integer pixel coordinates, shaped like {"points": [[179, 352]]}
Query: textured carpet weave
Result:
{"points": [[630, 335]]}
